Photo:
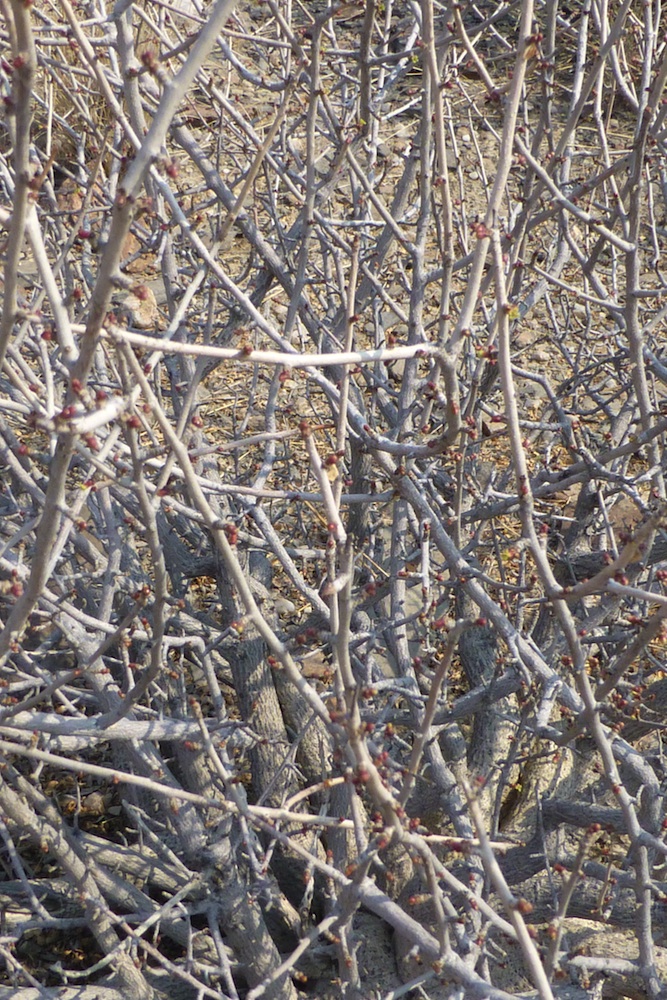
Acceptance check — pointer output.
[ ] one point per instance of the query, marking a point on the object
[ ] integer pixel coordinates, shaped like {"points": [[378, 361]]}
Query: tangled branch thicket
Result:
{"points": [[332, 555]]}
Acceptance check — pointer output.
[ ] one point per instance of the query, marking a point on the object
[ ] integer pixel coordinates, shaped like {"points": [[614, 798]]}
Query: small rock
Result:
{"points": [[284, 607], [139, 309]]}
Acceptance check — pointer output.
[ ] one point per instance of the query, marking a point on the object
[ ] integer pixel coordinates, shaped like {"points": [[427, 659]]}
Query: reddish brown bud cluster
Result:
{"points": [[149, 60]]}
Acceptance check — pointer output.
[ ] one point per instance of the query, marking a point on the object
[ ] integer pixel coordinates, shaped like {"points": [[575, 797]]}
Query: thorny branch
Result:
{"points": [[332, 536]]}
